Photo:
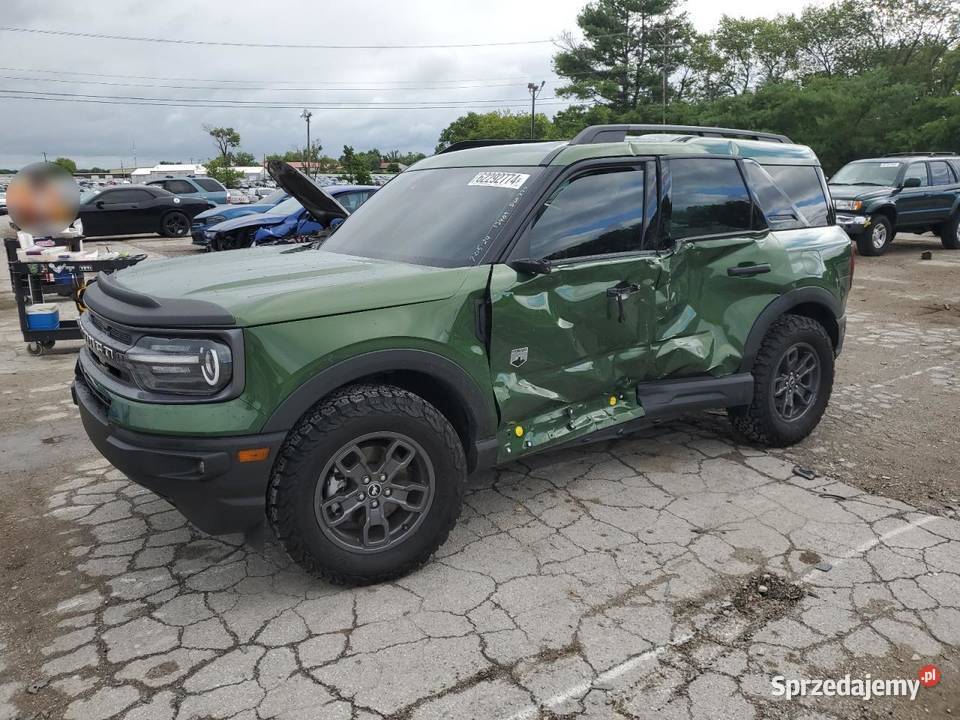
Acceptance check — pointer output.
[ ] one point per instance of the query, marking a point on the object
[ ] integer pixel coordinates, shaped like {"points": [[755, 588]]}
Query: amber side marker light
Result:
{"points": [[253, 454]]}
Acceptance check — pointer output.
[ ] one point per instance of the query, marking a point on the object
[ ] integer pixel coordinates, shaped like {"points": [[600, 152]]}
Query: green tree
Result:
{"points": [[243, 159], [497, 125], [219, 168], [355, 167], [67, 164], [226, 139]]}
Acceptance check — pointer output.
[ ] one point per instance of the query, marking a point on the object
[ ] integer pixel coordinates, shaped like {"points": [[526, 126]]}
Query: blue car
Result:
{"points": [[217, 215], [295, 216], [191, 186]]}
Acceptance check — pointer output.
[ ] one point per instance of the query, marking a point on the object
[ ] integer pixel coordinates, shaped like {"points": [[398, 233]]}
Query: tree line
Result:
{"points": [[851, 79]]}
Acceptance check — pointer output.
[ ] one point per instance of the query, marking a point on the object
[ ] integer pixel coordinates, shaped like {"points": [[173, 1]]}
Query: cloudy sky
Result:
{"points": [[105, 134]]}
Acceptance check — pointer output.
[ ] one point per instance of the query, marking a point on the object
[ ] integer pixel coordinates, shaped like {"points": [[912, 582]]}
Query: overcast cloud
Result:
{"points": [[105, 134]]}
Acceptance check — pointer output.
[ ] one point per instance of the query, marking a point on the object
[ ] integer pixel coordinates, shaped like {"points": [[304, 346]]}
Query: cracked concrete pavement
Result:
{"points": [[669, 575]]}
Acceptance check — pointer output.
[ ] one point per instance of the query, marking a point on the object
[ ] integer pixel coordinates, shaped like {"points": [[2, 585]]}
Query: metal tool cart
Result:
{"points": [[27, 278]]}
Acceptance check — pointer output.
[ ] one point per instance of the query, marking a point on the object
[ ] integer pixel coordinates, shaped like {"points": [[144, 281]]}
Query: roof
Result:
{"points": [[897, 157], [563, 153], [195, 169], [339, 189]]}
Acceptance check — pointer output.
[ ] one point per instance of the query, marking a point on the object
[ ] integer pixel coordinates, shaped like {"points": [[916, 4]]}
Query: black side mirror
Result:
{"points": [[528, 266], [911, 182]]}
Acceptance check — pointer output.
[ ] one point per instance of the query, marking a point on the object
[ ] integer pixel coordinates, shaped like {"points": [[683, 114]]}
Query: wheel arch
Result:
{"points": [[813, 302], [438, 380], [889, 211]]}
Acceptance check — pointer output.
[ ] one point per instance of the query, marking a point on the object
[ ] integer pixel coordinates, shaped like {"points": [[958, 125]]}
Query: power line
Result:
{"points": [[288, 46], [162, 102], [511, 79], [250, 88]]}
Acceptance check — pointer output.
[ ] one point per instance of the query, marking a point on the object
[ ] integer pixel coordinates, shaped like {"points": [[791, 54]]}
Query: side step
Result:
{"points": [[667, 398]]}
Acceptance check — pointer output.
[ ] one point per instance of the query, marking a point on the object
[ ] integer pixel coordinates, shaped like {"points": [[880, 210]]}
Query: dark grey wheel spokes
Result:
{"points": [[374, 492], [797, 381], [177, 224]]}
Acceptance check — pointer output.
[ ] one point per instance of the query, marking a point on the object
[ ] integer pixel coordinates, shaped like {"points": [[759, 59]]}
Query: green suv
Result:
{"points": [[488, 303], [906, 191]]}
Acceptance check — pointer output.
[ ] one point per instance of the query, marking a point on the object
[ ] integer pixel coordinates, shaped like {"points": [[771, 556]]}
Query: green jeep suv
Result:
{"points": [[490, 302], [906, 191]]}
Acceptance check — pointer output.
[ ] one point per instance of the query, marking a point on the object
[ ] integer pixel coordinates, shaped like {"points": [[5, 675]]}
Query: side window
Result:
{"points": [[708, 197], [596, 214], [125, 196], [351, 201], [941, 174], [917, 170], [780, 211], [210, 185], [801, 183], [179, 187]]}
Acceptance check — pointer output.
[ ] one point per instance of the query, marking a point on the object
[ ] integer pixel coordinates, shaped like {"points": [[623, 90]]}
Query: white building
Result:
{"points": [[253, 174], [158, 172]]}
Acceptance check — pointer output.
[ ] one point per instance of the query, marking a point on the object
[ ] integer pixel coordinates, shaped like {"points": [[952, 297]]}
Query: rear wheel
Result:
{"points": [[793, 379], [174, 224], [876, 239], [950, 233], [368, 485]]}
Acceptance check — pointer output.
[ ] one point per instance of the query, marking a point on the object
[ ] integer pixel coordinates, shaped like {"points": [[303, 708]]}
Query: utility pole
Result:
{"points": [[534, 91], [306, 115], [44, 157]]}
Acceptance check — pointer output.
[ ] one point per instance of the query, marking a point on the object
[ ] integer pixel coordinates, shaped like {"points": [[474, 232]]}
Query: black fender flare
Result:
{"points": [[448, 375], [781, 306]]}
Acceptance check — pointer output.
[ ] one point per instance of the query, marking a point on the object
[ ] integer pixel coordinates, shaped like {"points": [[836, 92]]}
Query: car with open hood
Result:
{"points": [[309, 211], [222, 213], [489, 303], [877, 197]]}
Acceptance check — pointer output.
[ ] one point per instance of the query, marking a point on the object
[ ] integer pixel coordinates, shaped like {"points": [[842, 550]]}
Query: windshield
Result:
{"points": [[287, 207], [443, 217], [274, 197], [868, 173]]}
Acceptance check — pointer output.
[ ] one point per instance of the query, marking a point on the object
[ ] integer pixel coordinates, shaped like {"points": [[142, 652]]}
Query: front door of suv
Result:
{"points": [[568, 345]]}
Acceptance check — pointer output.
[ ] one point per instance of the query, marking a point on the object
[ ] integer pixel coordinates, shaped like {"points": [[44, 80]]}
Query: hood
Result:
{"points": [[859, 192], [256, 219], [313, 197], [277, 284], [229, 211]]}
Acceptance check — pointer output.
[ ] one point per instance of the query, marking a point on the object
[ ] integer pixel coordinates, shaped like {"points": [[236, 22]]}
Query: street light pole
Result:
{"points": [[534, 91], [306, 115]]}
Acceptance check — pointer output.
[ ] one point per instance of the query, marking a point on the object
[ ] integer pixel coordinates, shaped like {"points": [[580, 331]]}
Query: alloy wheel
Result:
{"points": [[374, 492], [879, 236], [176, 224], [797, 382]]}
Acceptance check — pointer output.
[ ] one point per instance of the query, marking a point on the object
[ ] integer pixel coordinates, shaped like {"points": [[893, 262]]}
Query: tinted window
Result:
{"points": [[179, 187], [707, 197], [125, 196], [780, 210], [917, 170], [351, 201], [591, 215], [209, 184], [941, 174], [802, 185], [446, 217]]}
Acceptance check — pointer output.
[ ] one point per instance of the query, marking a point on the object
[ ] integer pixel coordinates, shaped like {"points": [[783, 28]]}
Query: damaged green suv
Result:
{"points": [[493, 301]]}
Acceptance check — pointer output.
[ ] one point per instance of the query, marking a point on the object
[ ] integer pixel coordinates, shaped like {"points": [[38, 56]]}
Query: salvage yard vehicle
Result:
{"points": [[875, 198], [206, 188], [310, 210], [138, 209], [216, 215], [487, 304]]}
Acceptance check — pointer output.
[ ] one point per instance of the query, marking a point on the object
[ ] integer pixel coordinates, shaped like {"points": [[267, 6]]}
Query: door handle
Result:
{"points": [[748, 270], [620, 293]]}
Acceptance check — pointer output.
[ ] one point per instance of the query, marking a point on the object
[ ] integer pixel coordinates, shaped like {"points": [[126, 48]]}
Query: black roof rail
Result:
{"points": [[617, 133], [920, 154], [468, 144]]}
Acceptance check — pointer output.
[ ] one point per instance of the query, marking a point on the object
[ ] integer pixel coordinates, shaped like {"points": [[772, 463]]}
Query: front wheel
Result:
{"points": [[877, 238], [174, 224], [368, 485], [793, 379], [950, 233]]}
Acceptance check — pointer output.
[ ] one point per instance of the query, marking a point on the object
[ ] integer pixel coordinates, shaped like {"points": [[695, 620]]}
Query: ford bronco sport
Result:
{"points": [[906, 191], [486, 304]]}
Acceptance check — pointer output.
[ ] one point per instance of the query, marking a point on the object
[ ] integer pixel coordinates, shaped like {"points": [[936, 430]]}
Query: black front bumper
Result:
{"points": [[200, 476]]}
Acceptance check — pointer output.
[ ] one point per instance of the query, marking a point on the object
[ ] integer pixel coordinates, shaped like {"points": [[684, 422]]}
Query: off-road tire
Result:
{"points": [[759, 422], [174, 224], [866, 242], [347, 414], [950, 233]]}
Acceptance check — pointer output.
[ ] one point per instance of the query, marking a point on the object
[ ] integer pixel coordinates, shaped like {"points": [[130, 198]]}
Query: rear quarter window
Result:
{"points": [[209, 184]]}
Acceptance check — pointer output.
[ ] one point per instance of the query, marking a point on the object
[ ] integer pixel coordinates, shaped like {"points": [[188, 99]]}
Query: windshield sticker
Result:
{"points": [[511, 181], [889, 164]]}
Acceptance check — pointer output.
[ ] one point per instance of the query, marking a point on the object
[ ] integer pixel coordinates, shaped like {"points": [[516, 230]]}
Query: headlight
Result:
{"points": [[181, 366], [848, 204], [215, 219]]}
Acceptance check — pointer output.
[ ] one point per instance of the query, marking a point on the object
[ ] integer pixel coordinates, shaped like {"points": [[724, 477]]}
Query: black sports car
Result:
{"points": [[131, 209]]}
